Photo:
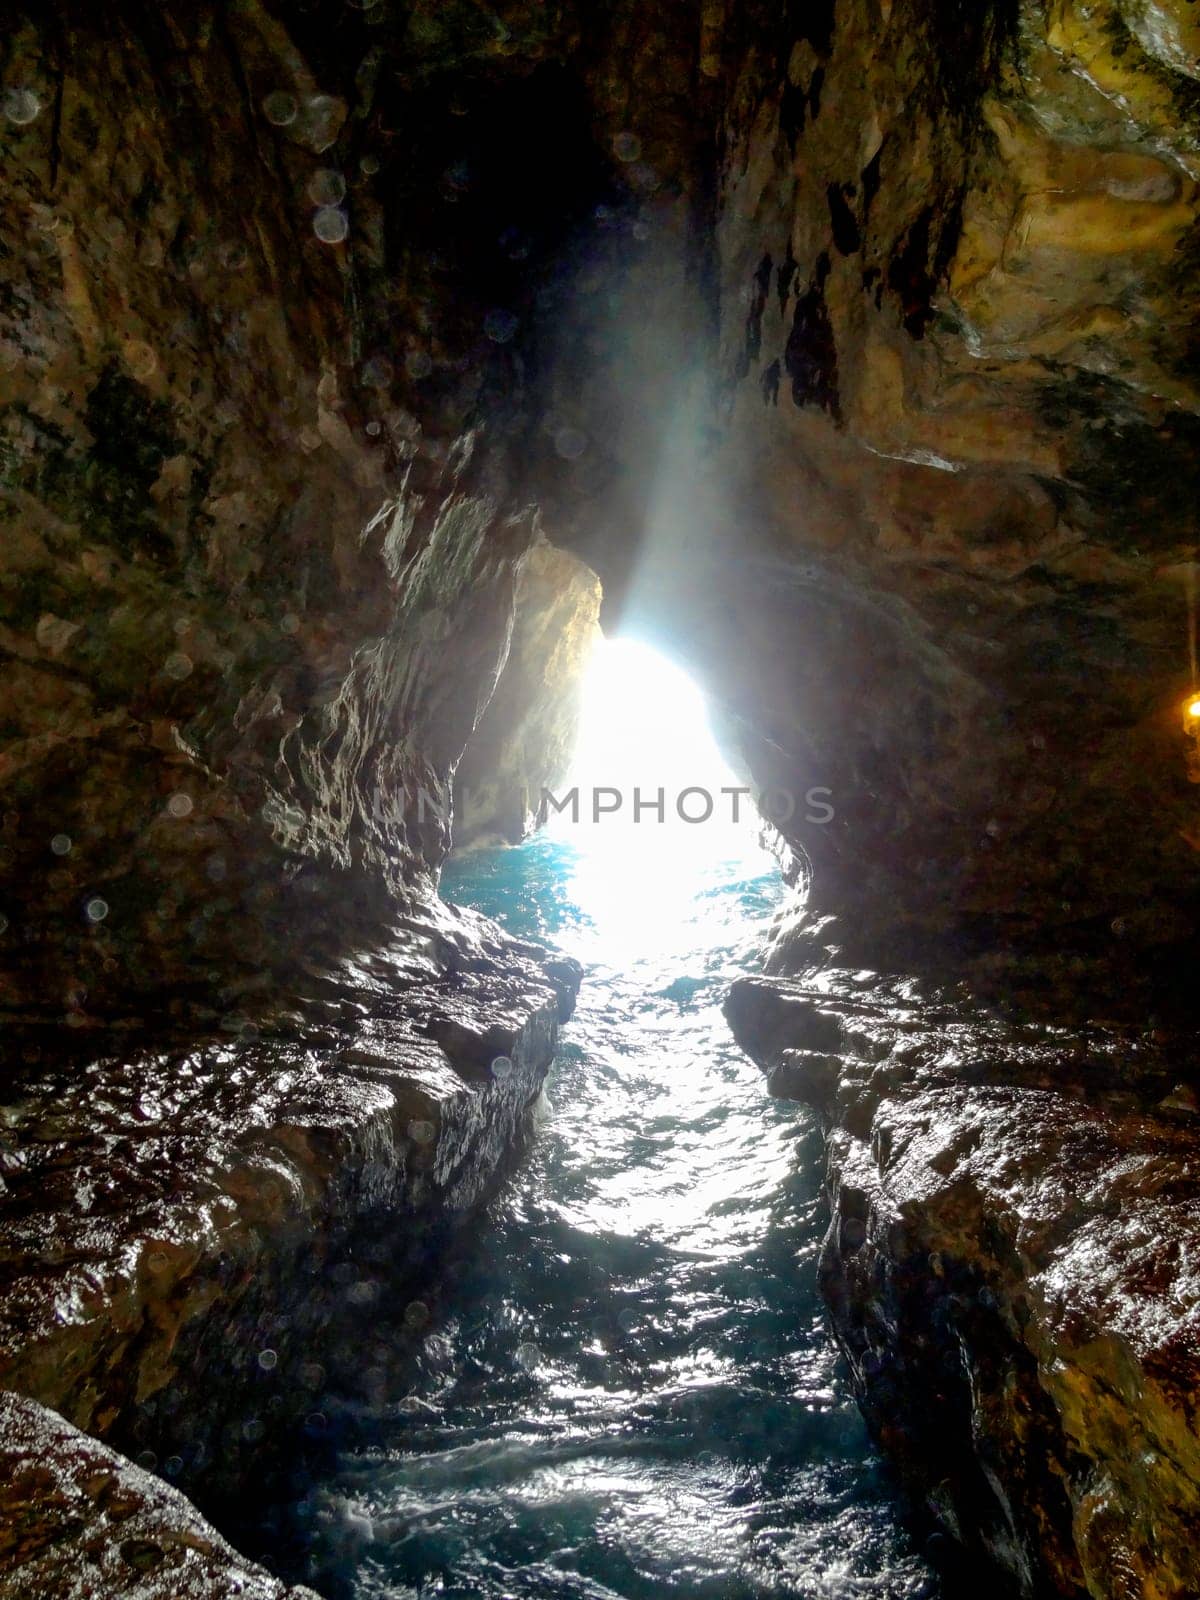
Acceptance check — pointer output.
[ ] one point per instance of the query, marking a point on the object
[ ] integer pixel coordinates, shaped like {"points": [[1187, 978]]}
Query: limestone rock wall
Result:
{"points": [[957, 310], [252, 601], [890, 420], [849, 345]]}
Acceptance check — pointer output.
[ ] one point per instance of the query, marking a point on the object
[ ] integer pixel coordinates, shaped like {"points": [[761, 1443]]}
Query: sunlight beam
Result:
{"points": [[644, 736]]}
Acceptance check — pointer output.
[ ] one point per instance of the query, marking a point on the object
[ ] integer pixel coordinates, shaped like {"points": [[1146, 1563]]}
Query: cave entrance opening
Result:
{"points": [[651, 809]]}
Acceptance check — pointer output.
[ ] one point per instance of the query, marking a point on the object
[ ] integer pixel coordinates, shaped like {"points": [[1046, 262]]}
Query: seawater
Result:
{"points": [[631, 1390]]}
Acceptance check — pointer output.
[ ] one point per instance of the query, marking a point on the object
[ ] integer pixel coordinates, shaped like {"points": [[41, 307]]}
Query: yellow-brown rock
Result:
{"points": [[522, 744]]}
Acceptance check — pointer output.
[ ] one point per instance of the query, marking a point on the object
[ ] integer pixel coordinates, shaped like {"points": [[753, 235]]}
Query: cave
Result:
{"points": [[772, 1171]]}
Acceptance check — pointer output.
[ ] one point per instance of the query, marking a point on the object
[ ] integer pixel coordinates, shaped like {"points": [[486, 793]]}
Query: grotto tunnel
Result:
{"points": [[774, 1172]]}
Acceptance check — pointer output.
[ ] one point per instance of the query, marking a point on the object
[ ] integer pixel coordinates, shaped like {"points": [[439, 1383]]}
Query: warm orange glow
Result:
{"points": [[1192, 710]]}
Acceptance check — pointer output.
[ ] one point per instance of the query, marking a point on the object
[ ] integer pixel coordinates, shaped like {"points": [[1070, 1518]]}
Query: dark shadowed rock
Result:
{"points": [[80, 1520]]}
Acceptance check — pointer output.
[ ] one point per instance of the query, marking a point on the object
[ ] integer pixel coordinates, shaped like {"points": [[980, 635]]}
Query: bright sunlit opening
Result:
{"points": [[659, 815]]}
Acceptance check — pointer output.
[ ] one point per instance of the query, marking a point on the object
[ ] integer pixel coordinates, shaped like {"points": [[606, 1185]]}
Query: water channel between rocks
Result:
{"points": [[630, 1389]]}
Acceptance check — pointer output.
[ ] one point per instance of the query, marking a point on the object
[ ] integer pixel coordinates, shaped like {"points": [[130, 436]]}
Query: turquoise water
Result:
{"points": [[630, 1392]]}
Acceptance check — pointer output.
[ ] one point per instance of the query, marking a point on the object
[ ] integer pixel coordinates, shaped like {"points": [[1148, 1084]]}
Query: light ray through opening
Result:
{"points": [[661, 815]]}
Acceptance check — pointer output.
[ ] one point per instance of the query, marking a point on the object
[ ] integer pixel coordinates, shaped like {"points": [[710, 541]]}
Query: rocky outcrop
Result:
{"points": [[192, 1237], [80, 1520], [1010, 1268], [263, 537], [891, 430], [524, 740]]}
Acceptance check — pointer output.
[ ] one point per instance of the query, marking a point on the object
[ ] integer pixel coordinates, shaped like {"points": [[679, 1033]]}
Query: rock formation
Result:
{"points": [[80, 1520], [522, 744], [1010, 1270], [851, 345]]}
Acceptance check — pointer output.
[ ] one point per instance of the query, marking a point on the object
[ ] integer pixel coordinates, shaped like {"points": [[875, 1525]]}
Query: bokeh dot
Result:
{"points": [[21, 106], [326, 187], [416, 1314], [141, 360], [320, 122], [280, 108], [500, 326], [570, 443], [377, 372], [528, 1356], [330, 225]]}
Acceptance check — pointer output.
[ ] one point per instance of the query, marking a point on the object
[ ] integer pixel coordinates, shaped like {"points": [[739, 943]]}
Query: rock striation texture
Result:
{"points": [[261, 526], [963, 400], [80, 1520], [1011, 1270], [263, 538], [892, 439]]}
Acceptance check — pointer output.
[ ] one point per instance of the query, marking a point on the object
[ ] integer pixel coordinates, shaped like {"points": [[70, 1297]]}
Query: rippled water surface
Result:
{"points": [[631, 1392]]}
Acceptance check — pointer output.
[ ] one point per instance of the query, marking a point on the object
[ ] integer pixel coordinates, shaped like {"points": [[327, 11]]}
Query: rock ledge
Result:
{"points": [[196, 1241], [1012, 1271]]}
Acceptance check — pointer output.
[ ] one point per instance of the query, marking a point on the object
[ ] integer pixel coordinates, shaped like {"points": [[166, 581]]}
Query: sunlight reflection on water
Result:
{"points": [[631, 1392]]}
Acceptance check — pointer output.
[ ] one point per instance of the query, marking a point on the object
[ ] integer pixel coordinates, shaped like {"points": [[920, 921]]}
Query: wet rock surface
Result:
{"points": [[891, 415], [262, 524], [80, 1520], [851, 351], [190, 1238], [1011, 1269]]}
